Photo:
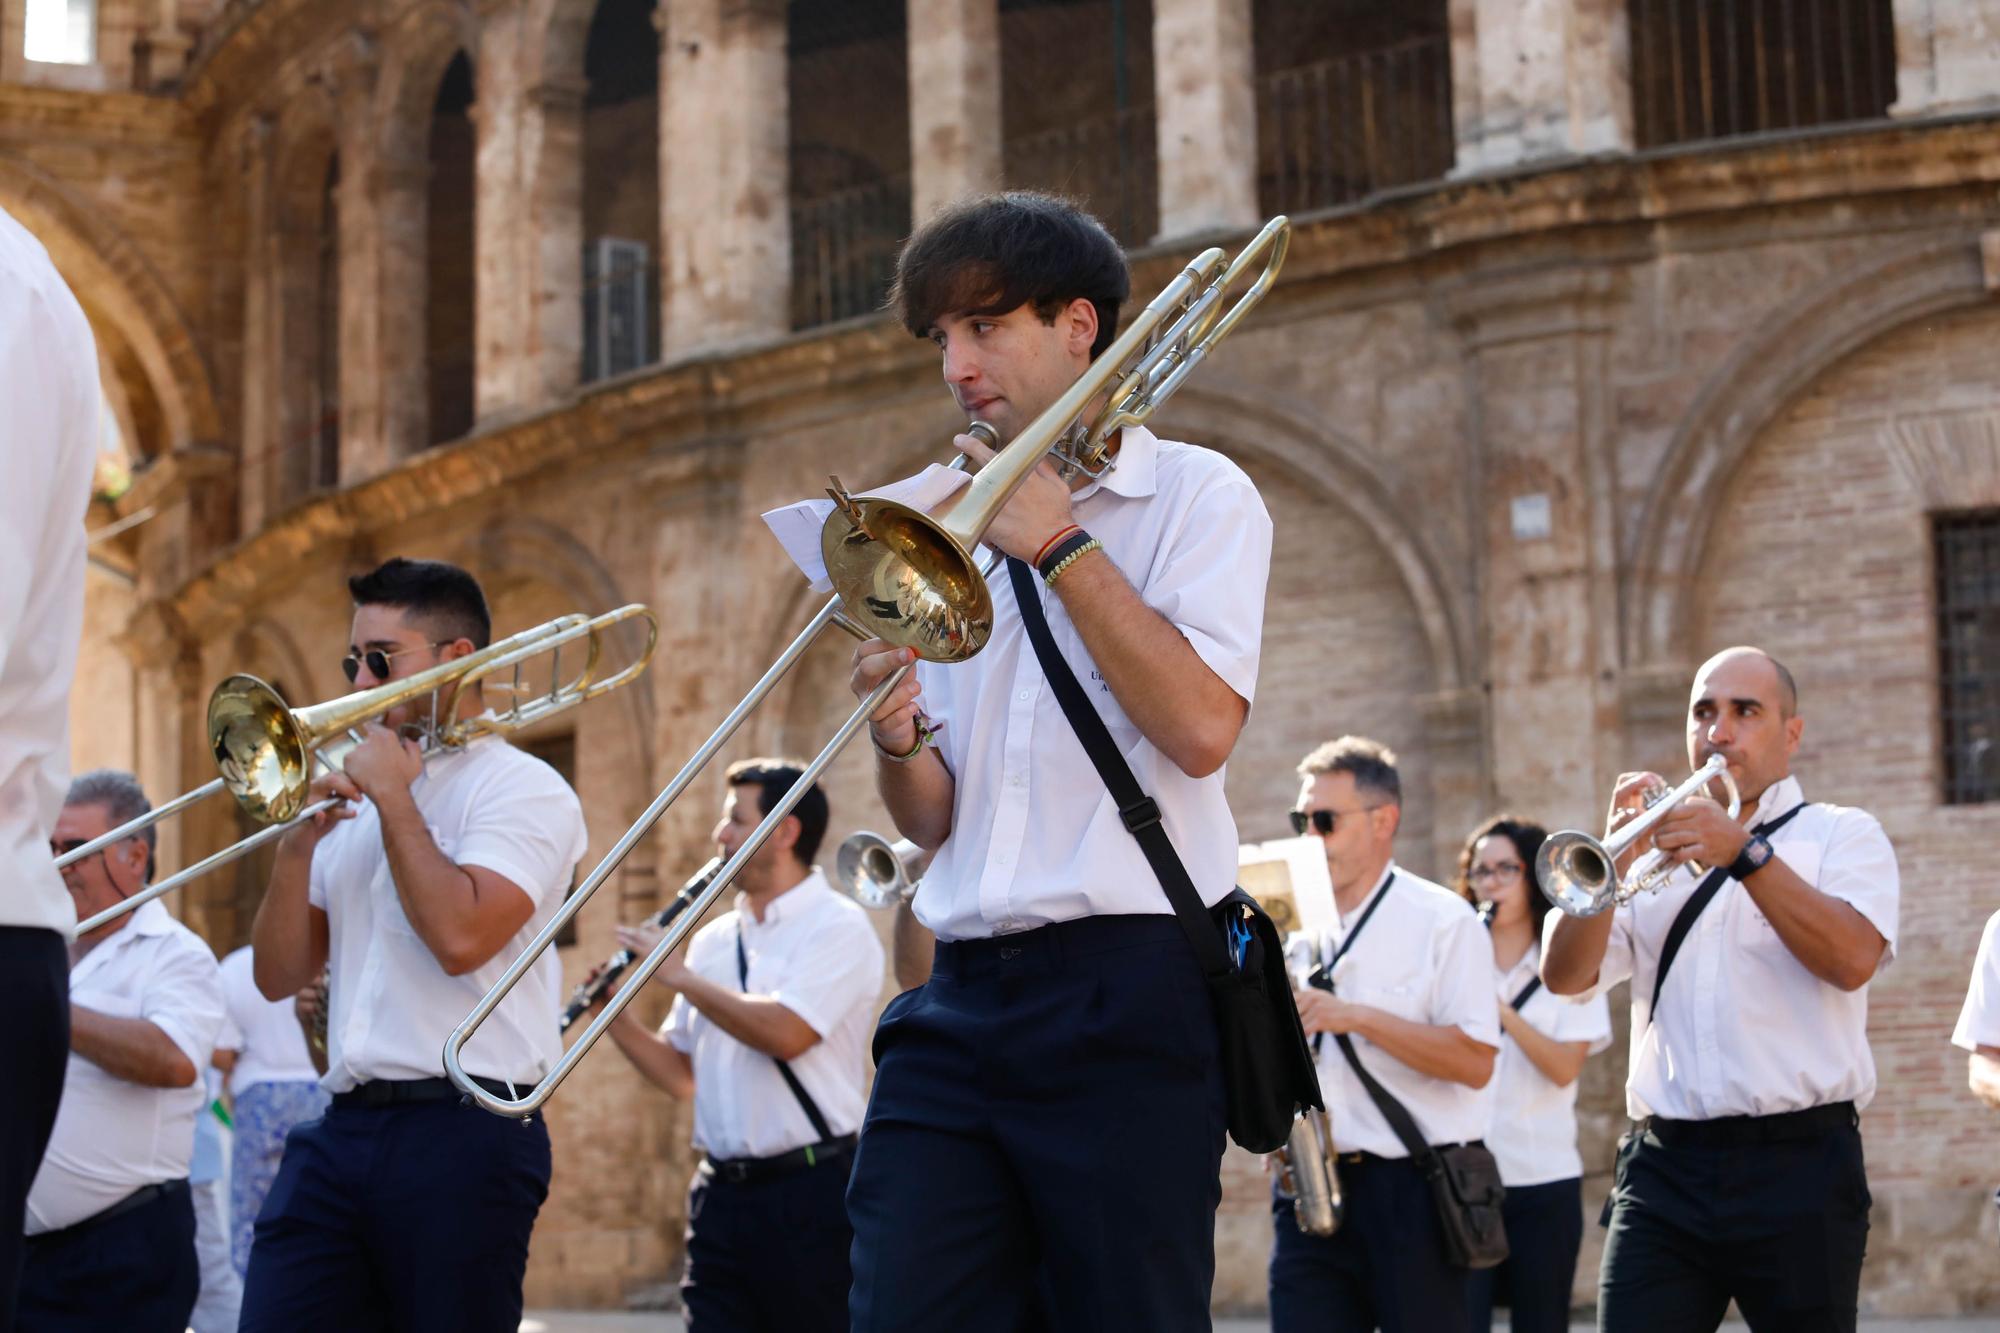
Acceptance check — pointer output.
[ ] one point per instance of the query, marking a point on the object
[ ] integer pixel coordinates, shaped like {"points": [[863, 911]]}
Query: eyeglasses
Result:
{"points": [[1505, 870], [378, 660], [1323, 822]]}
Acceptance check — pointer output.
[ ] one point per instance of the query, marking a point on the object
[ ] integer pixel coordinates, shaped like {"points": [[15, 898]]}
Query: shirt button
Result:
{"points": [[1022, 696]]}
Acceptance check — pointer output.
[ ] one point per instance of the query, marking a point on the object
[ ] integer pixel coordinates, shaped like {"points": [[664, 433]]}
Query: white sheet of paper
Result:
{"points": [[1304, 862], [797, 526]]}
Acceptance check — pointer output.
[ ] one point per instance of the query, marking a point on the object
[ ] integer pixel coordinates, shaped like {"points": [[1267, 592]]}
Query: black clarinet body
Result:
{"points": [[605, 977]]}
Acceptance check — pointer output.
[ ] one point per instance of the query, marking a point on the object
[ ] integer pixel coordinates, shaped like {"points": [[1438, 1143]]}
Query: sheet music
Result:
{"points": [[797, 526]]}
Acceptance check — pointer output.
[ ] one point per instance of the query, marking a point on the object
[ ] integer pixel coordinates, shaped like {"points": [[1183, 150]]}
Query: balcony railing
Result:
{"points": [[1339, 130], [1110, 162], [844, 250], [1716, 69]]}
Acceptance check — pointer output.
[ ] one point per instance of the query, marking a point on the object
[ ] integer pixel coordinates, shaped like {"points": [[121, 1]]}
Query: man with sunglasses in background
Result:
{"points": [[110, 1219], [402, 1207], [1406, 975]]}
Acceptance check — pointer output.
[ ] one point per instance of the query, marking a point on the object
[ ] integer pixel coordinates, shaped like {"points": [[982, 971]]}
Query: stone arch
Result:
{"points": [[307, 405], [416, 55], [1766, 373], [143, 334]]}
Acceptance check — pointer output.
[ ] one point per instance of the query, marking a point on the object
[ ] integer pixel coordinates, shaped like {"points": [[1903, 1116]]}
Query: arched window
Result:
{"points": [[621, 190], [1076, 107], [849, 86], [448, 328]]}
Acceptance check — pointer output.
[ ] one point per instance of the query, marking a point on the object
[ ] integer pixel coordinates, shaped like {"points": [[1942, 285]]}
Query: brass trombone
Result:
{"points": [[268, 752], [911, 579]]}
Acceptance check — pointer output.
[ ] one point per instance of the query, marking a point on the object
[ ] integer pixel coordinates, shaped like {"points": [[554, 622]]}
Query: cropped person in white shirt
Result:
{"points": [[110, 1220], [1978, 1030], [1048, 1109], [1543, 1043], [769, 1036], [1750, 1061], [1406, 976], [48, 447], [403, 1208]]}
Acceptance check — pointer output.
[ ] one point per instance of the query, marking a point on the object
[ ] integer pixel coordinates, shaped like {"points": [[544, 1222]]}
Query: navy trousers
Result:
{"points": [[1384, 1268], [34, 1050], [132, 1273], [1044, 1142], [1544, 1232], [1779, 1224], [407, 1217], [768, 1256]]}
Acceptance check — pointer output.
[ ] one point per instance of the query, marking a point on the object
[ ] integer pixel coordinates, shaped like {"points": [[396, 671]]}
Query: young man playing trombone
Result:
{"points": [[402, 1208], [1048, 1115], [1742, 1174]]}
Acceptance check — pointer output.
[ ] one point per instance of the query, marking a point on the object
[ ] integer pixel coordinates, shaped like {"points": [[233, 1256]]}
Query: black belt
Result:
{"points": [[132, 1202], [398, 1091], [749, 1170], [1733, 1131], [1047, 946], [1376, 1159]]}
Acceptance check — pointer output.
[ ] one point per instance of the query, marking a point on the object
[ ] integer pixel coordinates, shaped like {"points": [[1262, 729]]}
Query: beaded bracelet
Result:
{"points": [[1053, 555], [1066, 561]]}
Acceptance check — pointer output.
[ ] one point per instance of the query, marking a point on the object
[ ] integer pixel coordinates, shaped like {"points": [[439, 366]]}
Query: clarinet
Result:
{"points": [[605, 977]]}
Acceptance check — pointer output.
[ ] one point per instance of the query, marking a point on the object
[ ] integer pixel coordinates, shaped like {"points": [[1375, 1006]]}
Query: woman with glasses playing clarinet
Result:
{"points": [[1544, 1040]]}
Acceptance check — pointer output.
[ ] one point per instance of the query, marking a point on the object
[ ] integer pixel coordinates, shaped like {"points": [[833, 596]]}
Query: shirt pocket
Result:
{"points": [[1404, 1001]]}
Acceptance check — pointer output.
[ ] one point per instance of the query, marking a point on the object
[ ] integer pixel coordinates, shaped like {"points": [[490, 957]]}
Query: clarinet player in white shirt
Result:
{"points": [[1751, 1063], [1544, 1042]]}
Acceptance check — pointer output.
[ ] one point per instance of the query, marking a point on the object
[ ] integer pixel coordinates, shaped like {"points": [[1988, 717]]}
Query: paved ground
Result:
{"points": [[559, 1321]]}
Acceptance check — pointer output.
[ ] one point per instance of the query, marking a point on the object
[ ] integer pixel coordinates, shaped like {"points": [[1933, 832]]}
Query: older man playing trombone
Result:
{"points": [[1742, 1175]]}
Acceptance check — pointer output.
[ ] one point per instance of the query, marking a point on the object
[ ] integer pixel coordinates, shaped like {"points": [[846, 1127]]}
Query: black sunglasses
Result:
{"points": [[378, 660], [1323, 822]]}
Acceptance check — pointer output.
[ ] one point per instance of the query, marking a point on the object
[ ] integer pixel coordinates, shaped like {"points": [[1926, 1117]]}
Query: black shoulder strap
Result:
{"points": [[806, 1103], [1138, 810], [1698, 901], [1393, 1111], [1527, 993]]}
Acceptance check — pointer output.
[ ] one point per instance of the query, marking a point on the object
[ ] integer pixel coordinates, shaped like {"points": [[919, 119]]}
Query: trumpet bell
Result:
{"points": [[1574, 871], [906, 580], [875, 872], [261, 751]]}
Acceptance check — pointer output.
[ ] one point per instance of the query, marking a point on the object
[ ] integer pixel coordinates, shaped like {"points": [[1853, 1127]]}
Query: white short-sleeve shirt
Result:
{"points": [[1979, 1020], [1424, 957], [265, 1034], [113, 1136], [1035, 838], [48, 448], [392, 1003], [1533, 1136], [815, 953], [1743, 1027]]}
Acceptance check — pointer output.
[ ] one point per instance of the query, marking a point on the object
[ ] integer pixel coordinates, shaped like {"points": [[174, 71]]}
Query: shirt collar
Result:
{"points": [[1135, 472], [785, 906], [1347, 920], [1779, 797], [148, 920]]}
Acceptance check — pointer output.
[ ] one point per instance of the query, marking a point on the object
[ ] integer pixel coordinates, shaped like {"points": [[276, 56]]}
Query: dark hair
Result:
{"points": [[444, 597], [996, 252], [1371, 764], [773, 778], [1527, 839], [123, 800]]}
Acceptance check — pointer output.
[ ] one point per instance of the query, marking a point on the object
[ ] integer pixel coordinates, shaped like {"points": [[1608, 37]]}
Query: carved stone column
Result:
{"points": [[955, 138], [262, 415], [1539, 343], [1539, 79], [1206, 110], [1947, 57], [725, 215]]}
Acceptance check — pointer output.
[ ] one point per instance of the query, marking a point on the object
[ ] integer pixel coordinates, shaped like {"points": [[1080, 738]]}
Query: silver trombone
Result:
{"points": [[269, 752], [914, 580], [876, 872], [1579, 873]]}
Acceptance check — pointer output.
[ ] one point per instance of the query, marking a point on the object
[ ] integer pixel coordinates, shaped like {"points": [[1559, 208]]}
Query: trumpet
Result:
{"points": [[268, 752], [905, 577], [1307, 1177], [878, 873], [606, 976], [1579, 873]]}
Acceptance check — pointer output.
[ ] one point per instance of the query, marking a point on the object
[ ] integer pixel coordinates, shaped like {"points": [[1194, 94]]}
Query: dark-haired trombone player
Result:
{"points": [[1742, 1174], [768, 1036], [402, 1208]]}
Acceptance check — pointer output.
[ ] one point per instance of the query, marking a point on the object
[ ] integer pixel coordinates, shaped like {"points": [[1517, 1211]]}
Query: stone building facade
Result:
{"points": [[1610, 335]]}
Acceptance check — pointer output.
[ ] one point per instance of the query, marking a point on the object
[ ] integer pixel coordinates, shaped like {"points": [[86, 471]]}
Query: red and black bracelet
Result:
{"points": [[1061, 548], [1041, 559]]}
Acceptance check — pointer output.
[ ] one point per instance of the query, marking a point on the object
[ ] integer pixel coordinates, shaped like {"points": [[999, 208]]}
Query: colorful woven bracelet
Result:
{"points": [[1051, 544], [1052, 557], [1066, 561]]}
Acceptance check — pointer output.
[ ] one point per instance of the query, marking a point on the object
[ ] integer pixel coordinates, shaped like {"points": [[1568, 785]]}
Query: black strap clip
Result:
{"points": [[1142, 814]]}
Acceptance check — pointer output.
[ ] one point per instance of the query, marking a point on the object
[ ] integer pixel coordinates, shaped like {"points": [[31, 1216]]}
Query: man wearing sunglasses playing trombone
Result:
{"points": [[402, 1208]]}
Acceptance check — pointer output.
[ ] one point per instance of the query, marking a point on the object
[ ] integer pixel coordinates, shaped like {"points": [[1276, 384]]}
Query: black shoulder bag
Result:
{"points": [[1267, 1071], [1464, 1178]]}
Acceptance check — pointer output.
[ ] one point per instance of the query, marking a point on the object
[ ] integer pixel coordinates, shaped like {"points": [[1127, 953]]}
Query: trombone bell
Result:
{"points": [[263, 754]]}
